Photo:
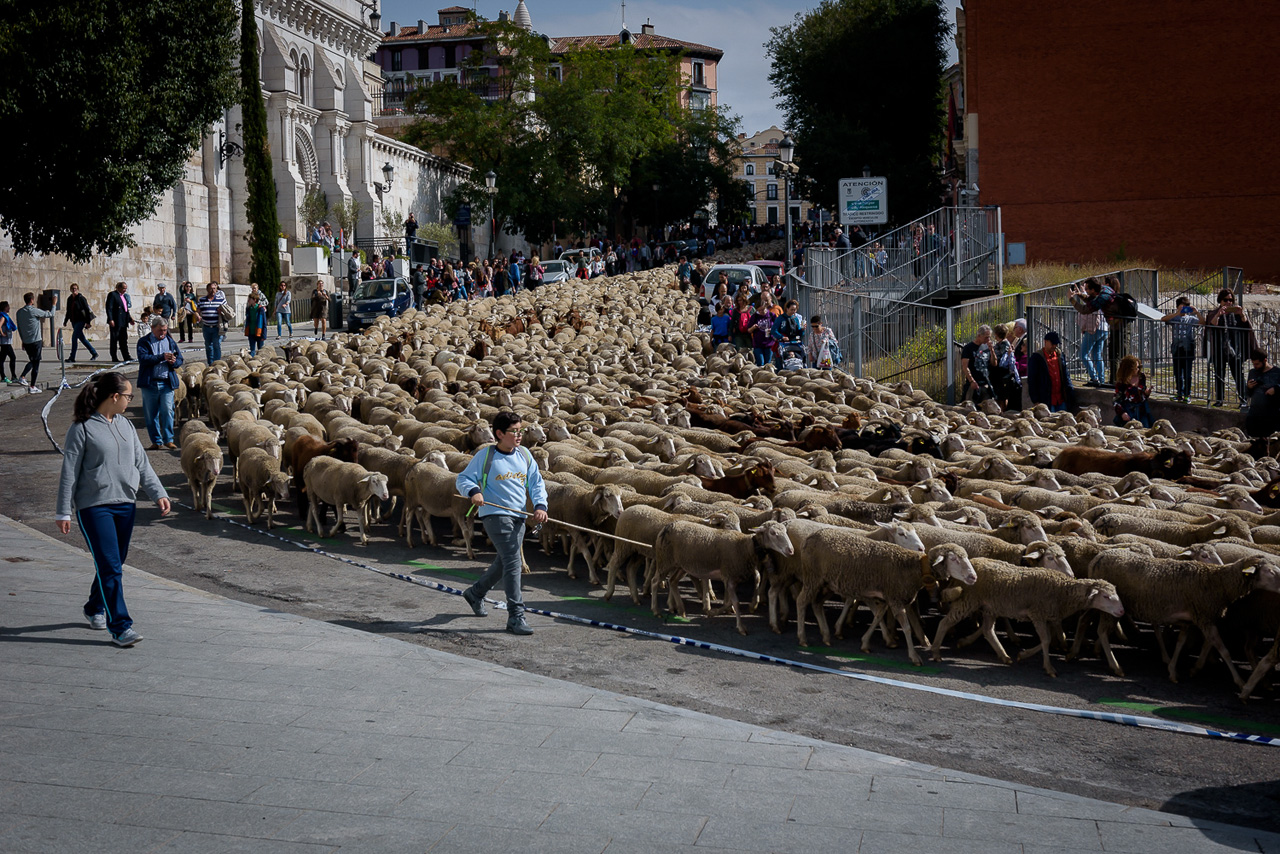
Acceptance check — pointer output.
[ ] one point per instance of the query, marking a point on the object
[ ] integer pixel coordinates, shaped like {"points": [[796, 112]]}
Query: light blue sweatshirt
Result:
{"points": [[512, 478]]}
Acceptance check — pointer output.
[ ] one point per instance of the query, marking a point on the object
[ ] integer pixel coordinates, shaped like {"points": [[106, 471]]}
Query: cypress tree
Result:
{"points": [[260, 205]]}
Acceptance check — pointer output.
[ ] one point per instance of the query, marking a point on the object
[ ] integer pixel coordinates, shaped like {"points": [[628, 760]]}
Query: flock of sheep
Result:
{"points": [[795, 491]]}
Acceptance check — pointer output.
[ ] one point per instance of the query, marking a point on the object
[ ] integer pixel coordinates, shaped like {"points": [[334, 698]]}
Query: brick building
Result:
{"points": [[1144, 127], [754, 166]]}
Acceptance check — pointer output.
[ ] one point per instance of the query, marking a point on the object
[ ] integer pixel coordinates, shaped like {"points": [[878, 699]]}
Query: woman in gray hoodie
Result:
{"points": [[103, 465]]}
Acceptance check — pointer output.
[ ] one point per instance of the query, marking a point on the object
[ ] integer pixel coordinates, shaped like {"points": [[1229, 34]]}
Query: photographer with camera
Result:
{"points": [[1183, 320]]}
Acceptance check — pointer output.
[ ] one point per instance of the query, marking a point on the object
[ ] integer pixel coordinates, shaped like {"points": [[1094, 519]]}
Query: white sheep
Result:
{"points": [[1174, 533], [262, 484], [708, 554], [202, 463], [331, 481], [592, 507], [1041, 596], [431, 491]]}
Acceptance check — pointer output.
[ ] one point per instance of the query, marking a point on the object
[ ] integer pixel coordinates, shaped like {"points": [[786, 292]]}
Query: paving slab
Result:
{"points": [[235, 727]]}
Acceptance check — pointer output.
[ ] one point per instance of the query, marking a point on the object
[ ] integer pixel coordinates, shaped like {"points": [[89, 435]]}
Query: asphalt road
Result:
{"points": [[1213, 779]]}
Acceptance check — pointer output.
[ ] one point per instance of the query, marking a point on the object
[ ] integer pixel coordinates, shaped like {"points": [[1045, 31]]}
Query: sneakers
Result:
{"points": [[476, 603], [519, 626], [97, 622], [35, 390], [94, 357], [126, 638]]}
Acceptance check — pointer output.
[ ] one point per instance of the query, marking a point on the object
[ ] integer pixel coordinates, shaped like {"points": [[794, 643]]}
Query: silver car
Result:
{"points": [[737, 273], [555, 271]]}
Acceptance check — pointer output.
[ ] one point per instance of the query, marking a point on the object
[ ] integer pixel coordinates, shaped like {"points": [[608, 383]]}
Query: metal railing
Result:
{"points": [[949, 249], [1213, 369]]}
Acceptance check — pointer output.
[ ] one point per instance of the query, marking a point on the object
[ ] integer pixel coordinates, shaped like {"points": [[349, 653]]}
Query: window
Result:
{"points": [[699, 75], [749, 169], [397, 61], [771, 192], [304, 80], [773, 215]]}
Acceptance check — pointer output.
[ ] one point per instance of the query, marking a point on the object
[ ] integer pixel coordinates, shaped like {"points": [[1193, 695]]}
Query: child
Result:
{"points": [[255, 324], [720, 326], [1132, 393]]}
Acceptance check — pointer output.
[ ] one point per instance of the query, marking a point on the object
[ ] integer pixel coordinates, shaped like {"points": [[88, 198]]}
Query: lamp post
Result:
{"points": [[786, 153], [491, 187]]}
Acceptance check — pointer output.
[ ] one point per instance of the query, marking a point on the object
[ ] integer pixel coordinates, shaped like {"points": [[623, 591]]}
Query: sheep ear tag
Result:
{"points": [[939, 559], [1250, 570]]}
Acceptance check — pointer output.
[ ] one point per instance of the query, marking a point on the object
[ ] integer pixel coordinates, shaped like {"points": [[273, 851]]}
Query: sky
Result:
{"points": [[740, 28]]}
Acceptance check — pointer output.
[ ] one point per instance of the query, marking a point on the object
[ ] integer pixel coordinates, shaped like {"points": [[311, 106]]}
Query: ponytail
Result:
{"points": [[95, 392]]}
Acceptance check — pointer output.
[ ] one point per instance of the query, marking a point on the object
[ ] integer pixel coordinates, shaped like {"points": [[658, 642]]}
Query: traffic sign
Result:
{"points": [[864, 201]]}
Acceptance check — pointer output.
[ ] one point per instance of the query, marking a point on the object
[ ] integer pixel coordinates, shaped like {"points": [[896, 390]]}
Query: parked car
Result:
{"points": [[738, 273], [771, 268], [376, 297], [571, 255], [555, 271]]}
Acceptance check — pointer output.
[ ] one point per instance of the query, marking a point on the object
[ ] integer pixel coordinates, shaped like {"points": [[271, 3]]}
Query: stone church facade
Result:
{"points": [[319, 88]]}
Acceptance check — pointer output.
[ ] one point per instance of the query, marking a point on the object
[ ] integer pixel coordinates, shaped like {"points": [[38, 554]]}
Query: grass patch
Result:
{"points": [[1191, 716]]}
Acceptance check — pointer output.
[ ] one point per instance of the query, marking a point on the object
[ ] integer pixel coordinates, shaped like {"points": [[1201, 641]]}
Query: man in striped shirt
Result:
{"points": [[210, 321]]}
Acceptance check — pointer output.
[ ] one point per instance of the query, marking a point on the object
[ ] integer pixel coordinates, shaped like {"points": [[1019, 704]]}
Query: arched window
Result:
{"points": [[297, 77], [750, 169], [304, 80]]}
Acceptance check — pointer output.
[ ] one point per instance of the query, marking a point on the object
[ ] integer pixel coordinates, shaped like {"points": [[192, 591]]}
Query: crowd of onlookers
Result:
{"points": [[996, 361]]}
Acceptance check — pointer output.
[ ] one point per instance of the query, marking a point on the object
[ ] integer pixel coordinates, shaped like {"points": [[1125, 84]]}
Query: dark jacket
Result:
{"points": [[151, 368], [1038, 387], [78, 310], [166, 305], [117, 308]]}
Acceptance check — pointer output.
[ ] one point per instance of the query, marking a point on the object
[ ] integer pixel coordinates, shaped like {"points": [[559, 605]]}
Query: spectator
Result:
{"points": [[419, 282], [320, 310], [164, 303], [762, 341], [501, 281], [1183, 321], [209, 308], [1228, 337], [1093, 336], [740, 321], [102, 443], [283, 308], [1094, 297], [788, 329], [31, 331], [1048, 381], [1006, 382], [410, 232], [842, 239], [822, 349], [118, 322], [158, 361], [1131, 393], [255, 324], [720, 325], [79, 315], [533, 278], [187, 312], [353, 272], [975, 366], [7, 328], [1263, 417]]}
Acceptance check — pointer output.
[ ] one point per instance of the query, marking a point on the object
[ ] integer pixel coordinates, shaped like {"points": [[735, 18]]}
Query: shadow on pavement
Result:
{"points": [[1255, 805]]}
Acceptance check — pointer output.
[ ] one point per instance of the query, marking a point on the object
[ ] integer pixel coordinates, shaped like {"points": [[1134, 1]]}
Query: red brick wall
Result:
{"points": [[1143, 124]]}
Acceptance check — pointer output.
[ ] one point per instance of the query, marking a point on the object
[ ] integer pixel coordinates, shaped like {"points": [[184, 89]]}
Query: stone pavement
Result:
{"points": [[234, 727]]}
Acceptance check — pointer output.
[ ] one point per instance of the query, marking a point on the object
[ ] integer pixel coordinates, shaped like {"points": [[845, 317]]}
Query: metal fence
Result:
{"points": [[949, 249], [1213, 370]]}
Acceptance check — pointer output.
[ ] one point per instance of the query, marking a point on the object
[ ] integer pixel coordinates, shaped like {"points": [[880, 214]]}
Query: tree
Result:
{"points": [[860, 84], [260, 201], [347, 214], [566, 134], [444, 235], [314, 208], [105, 102]]}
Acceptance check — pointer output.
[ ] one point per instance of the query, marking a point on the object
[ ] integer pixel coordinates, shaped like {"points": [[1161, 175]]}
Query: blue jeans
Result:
{"points": [[107, 529], [1183, 358], [1091, 344], [762, 355], [77, 337], [506, 533], [212, 342], [1061, 407], [157, 405], [285, 317], [256, 341]]}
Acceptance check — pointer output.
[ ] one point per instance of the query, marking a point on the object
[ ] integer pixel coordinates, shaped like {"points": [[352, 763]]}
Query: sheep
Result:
{"points": [[975, 543], [1161, 592], [641, 523], [431, 491], [202, 463], [1038, 595], [590, 507], [193, 427], [307, 448], [395, 466], [1173, 533], [242, 435], [331, 481], [705, 553], [261, 484], [855, 567], [647, 482], [1168, 463]]}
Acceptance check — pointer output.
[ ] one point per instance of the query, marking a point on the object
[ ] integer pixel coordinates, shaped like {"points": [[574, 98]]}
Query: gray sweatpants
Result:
{"points": [[507, 535]]}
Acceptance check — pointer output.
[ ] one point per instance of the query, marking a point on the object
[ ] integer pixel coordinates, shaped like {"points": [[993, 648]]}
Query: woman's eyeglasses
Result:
{"points": [[125, 396]]}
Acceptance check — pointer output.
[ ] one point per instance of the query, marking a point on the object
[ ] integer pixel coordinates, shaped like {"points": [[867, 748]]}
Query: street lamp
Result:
{"points": [[375, 18], [786, 153], [491, 187]]}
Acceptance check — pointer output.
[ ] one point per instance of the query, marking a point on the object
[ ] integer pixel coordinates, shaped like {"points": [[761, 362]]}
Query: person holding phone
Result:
{"points": [[1183, 320]]}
